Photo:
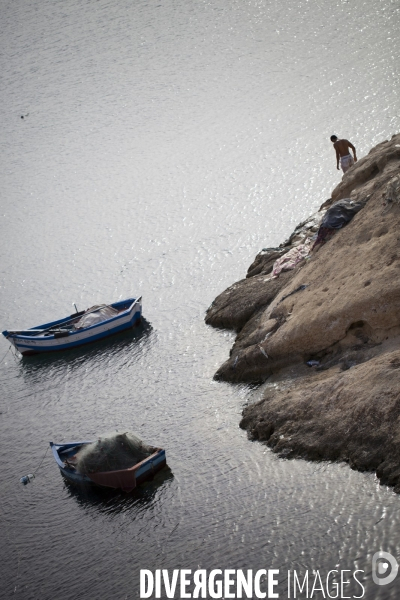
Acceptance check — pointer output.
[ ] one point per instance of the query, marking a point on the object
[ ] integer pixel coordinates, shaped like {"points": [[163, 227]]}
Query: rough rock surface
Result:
{"points": [[340, 307], [351, 415]]}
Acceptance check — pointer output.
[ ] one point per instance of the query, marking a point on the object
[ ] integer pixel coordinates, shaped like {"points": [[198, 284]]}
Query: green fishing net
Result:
{"points": [[112, 453]]}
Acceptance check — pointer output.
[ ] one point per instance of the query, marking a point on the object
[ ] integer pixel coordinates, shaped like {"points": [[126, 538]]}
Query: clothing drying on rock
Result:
{"points": [[324, 233], [340, 213], [336, 217], [291, 259]]}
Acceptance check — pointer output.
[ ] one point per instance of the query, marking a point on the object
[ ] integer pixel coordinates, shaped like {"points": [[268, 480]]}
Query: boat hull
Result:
{"points": [[30, 342], [125, 479]]}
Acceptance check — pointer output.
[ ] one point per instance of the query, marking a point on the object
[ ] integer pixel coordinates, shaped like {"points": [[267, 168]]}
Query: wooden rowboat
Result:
{"points": [[125, 479], [81, 328]]}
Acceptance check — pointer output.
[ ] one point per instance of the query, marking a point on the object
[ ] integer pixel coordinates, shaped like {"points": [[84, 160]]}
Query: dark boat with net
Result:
{"points": [[120, 461]]}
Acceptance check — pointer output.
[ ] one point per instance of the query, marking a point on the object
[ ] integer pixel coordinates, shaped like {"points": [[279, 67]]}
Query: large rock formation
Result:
{"points": [[340, 308]]}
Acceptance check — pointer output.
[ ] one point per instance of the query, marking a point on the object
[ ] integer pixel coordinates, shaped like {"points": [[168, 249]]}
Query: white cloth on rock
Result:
{"points": [[291, 259]]}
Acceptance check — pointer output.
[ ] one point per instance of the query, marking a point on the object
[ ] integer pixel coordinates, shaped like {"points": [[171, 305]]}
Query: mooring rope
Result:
{"points": [[14, 355], [5, 354]]}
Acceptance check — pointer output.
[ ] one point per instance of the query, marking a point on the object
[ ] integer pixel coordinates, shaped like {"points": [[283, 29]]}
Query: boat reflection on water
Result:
{"points": [[109, 501]]}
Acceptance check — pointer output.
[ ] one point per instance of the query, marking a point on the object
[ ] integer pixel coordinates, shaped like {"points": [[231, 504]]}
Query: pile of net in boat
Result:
{"points": [[96, 314], [112, 453]]}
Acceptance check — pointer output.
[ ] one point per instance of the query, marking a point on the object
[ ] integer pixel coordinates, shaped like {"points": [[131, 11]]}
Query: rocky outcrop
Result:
{"points": [[351, 415], [352, 282], [240, 302], [340, 308]]}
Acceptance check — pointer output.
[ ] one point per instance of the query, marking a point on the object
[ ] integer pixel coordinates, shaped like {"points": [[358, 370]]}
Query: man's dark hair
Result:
{"points": [[333, 138]]}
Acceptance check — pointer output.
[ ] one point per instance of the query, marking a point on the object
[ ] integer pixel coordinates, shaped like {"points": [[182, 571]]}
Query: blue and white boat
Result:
{"points": [[124, 479], [80, 328]]}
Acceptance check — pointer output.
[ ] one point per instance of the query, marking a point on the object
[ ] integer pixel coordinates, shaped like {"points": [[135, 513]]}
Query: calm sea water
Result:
{"points": [[163, 145]]}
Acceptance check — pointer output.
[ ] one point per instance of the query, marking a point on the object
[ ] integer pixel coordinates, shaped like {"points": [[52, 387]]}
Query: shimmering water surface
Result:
{"points": [[163, 145]]}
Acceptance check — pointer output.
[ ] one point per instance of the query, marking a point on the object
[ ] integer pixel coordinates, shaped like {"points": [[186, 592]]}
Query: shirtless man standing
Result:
{"points": [[343, 153]]}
